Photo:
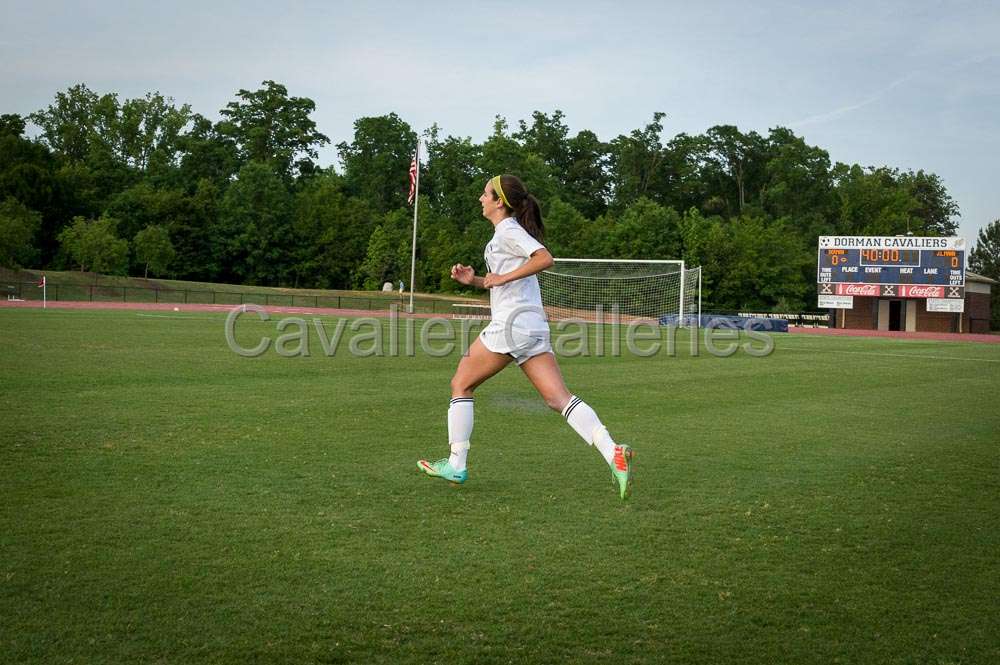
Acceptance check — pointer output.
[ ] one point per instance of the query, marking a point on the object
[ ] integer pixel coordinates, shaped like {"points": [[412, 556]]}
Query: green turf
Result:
{"points": [[165, 500]]}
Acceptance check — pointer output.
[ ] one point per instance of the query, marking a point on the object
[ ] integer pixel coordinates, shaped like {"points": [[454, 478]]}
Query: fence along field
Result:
{"points": [[79, 287]]}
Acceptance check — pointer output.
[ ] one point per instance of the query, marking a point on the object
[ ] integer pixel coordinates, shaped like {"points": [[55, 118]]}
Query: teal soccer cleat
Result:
{"points": [[442, 469], [621, 471]]}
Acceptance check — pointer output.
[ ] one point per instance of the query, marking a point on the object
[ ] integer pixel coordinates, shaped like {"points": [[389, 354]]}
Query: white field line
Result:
{"points": [[878, 353], [174, 316]]}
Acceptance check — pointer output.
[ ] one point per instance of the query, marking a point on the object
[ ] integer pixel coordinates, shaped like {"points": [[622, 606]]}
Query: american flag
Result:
{"points": [[413, 180]]}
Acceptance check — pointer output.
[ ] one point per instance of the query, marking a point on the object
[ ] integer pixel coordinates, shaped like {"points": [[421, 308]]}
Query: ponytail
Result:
{"points": [[530, 218], [522, 205]]}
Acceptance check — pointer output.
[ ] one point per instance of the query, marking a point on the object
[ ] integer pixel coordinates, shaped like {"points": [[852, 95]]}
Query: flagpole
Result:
{"points": [[416, 205]]}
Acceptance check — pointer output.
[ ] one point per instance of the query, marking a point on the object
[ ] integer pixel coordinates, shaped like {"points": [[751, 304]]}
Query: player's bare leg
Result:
{"points": [[544, 373], [475, 367]]}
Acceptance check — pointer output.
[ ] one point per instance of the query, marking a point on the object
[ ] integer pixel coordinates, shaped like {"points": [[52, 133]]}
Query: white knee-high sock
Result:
{"points": [[459, 431], [584, 420]]}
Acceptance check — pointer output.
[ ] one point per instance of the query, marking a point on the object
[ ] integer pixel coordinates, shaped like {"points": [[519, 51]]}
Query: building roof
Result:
{"points": [[975, 277]]}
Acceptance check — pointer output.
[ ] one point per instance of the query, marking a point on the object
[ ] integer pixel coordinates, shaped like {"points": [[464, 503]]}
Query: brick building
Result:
{"points": [[911, 314]]}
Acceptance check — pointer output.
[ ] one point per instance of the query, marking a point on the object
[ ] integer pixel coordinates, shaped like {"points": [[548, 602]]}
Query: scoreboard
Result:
{"points": [[893, 266]]}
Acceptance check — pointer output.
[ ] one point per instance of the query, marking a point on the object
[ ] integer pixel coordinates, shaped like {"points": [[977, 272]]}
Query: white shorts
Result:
{"points": [[517, 343]]}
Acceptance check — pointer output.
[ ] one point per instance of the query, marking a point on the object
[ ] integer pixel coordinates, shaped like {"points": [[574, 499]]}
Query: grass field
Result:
{"points": [[165, 500]]}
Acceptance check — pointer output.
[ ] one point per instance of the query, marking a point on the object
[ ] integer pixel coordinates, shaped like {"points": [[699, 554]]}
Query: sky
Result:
{"points": [[913, 85]]}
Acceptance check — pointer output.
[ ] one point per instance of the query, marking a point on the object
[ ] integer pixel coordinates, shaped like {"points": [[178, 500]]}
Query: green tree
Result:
{"points": [[799, 184], [453, 179], [734, 163], [547, 136], [11, 123], [646, 230], [501, 154], [935, 209], [587, 183], [387, 257], [196, 234], [69, 125], [684, 185], [377, 162], [635, 162], [565, 229], [153, 249], [596, 239], [985, 260], [382, 259], [748, 262], [144, 205], [83, 129], [94, 245], [141, 134], [18, 225], [148, 131], [26, 171], [985, 256], [270, 127], [243, 200], [871, 202], [764, 267], [207, 153], [255, 228], [440, 246], [27, 174], [706, 244], [331, 231]]}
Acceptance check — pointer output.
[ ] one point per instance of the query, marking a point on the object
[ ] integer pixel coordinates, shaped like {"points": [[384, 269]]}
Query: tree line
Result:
{"points": [[140, 186]]}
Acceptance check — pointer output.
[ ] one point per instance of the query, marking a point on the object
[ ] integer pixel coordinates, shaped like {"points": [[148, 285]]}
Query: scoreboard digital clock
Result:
{"points": [[909, 258], [902, 264]]}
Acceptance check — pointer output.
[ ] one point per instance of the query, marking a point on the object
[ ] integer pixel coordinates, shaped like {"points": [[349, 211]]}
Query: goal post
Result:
{"points": [[659, 291]]}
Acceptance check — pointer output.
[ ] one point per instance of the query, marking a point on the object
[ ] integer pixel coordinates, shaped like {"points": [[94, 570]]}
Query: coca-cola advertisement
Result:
{"points": [[857, 289], [921, 291]]}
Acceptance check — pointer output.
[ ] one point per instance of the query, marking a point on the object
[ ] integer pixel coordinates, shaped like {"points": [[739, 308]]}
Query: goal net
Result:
{"points": [[660, 291]]}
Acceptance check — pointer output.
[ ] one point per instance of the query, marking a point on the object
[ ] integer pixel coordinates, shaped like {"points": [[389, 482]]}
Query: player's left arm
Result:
{"points": [[539, 260]]}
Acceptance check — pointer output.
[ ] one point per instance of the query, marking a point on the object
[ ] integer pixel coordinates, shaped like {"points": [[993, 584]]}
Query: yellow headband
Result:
{"points": [[495, 181]]}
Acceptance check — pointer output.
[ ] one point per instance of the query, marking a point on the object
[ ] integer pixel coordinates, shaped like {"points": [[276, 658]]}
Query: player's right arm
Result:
{"points": [[466, 275]]}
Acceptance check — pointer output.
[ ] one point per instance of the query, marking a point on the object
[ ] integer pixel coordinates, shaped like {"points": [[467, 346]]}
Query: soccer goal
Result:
{"points": [[661, 291]]}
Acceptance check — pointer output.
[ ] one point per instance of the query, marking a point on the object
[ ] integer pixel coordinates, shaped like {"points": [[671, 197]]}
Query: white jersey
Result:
{"points": [[517, 303]]}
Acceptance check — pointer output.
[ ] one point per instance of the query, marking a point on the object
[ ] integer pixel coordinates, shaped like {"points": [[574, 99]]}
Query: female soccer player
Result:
{"points": [[518, 331]]}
